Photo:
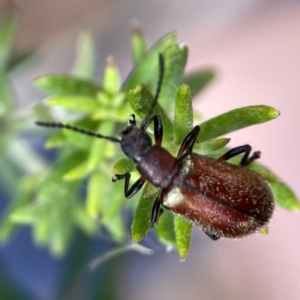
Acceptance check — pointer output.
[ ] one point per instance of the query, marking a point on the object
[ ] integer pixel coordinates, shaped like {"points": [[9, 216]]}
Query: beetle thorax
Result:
{"points": [[135, 143]]}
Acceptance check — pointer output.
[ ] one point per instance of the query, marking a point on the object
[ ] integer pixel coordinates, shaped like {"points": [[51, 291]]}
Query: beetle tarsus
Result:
{"points": [[249, 160]]}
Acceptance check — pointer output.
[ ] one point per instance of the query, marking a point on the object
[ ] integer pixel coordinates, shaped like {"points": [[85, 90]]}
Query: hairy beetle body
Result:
{"points": [[224, 199]]}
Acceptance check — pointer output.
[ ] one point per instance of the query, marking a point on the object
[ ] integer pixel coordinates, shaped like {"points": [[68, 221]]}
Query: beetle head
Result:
{"points": [[135, 143]]}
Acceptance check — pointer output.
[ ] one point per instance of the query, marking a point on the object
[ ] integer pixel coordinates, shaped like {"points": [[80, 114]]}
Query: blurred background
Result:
{"points": [[254, 47]]}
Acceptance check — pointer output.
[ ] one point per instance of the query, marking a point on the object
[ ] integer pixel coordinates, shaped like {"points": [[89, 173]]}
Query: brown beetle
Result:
{"points": [[225, 200]]}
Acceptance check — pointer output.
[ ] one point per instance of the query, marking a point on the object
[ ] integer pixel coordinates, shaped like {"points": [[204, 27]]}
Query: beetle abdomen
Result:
{"points": [[224, 199]]}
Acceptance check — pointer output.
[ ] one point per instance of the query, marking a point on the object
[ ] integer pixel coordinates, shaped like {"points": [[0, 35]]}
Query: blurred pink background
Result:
{"points": [[254, 47]]}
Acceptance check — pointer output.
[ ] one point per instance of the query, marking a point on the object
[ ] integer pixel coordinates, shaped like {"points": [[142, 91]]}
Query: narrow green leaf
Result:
{"points": [[61, 235], [263, 172], [138, 45], [7, 229], [147, 71], [183, 117], [264, 230], [18, 59], [86, 56], [79, 172], [141, 100], [83, 220], [41, 233], [115, 226], [21, 197], [124, 165], [101, 147], [52, 208], [175, 57], [284, 196], [198, 80], [7, 99], [141, 222], [66, 85], [113, 202], [96, 185], [183, 232], [9, 178], [78, 103], [111, 79], [236, 119], [81, 141], [7, 35], [51, 190], [211, 145], [58, 139], [25, 214], [165, 229], [41, 111]]}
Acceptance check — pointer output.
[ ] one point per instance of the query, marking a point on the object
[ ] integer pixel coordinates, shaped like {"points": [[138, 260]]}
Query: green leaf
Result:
{"points": [[61, 234], [23, 198], [141, 100], [165, 229], [41, 111], [141, 222], [198, 80], [138, 45], [79, 172], [83, 220], [111, 79], [284, 196], [58, 139], [66, 85], [27, 214], [7, 35], [81, 141], [96, 185], [175, 58], [41, 233], [263, 172], [183, 232], [7, 99], [115, 226], [211, 145], [86, 56], [264, 230], [236, 119], [105, 198], [101, 148], [17, 59], [183, 117], [147, 70], [78, 103], [124, 165], [10, 177]]}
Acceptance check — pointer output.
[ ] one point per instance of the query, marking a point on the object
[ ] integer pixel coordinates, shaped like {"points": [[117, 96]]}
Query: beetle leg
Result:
{"points": [[129, 192], [189, 141], [212, 236], [246, 160], [158, 128], [156, 209]]}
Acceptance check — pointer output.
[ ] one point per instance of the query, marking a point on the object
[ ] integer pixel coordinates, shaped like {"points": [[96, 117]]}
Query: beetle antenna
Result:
{"points": [[159, 84], [74, 128]]}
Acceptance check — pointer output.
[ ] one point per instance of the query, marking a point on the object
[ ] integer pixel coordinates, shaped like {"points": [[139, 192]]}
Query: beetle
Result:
{"points": [[224, 199]]}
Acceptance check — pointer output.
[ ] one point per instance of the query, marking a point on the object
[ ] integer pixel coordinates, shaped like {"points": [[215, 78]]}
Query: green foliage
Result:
{"points": [[50, 198]]}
